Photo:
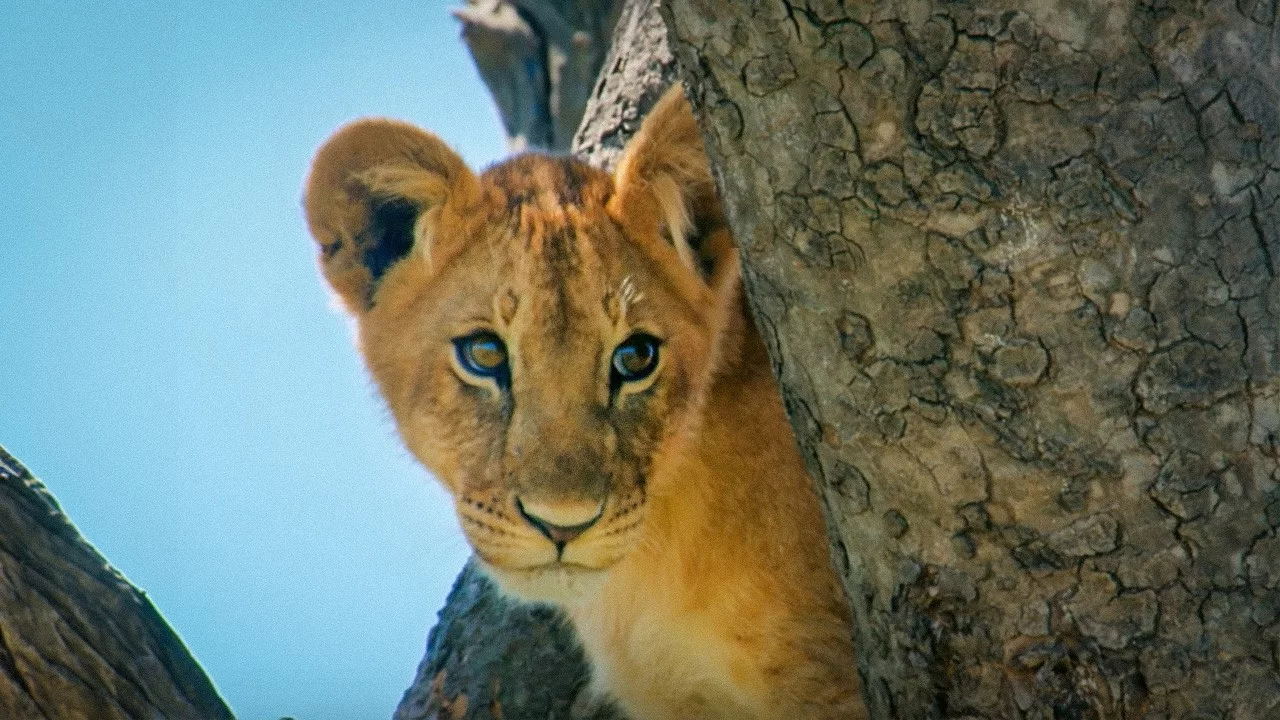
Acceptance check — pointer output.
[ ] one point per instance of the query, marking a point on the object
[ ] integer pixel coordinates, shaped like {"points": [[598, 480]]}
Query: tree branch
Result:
{"points": [[76, 638]]}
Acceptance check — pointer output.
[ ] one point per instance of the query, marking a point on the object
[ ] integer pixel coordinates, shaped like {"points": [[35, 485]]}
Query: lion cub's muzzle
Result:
{"points": [[527, 539], [561, 522]]}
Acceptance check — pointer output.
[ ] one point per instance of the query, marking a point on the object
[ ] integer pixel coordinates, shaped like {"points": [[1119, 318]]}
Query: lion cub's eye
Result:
{"points": [[635, 358], [482, 353]]}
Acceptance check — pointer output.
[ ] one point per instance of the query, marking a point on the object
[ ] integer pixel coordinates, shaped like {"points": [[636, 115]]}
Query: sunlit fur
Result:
{"points": [[705, 589]]}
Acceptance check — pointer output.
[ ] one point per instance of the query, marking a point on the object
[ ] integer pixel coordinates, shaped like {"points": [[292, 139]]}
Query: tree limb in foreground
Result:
{"points": [[77, 640]]}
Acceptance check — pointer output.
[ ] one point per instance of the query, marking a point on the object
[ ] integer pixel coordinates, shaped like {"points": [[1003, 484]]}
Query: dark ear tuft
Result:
{"points": [[378, 189], [391, 235]]}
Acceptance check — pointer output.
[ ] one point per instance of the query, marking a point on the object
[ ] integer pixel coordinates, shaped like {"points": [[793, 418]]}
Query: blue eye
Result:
{"points": [[483, 354], [636, 358]]}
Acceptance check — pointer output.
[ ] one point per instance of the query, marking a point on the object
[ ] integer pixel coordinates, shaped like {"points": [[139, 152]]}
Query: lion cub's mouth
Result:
{"points": [[542, 551], [559, 583]]}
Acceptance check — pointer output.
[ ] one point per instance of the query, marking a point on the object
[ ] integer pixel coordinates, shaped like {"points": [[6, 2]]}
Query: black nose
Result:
{"points": [[561, 523]]}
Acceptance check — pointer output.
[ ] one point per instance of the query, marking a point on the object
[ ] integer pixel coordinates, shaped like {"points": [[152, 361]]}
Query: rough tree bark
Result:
{"points": [[1017, 266], [76, 639], [638, 68], [489, 657]]}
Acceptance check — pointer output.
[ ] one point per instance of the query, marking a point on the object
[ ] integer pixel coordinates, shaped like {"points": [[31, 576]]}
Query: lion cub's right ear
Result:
{"points": [[379, 189], [663, 183]]}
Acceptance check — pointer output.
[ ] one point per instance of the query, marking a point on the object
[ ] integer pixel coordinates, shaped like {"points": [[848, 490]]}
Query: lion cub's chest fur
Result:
{"points": [[694, 622], [665, 664], [659, 643]]}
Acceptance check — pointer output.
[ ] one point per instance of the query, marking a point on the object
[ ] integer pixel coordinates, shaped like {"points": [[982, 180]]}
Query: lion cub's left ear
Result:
{"points": [[663, 184], [379, 189]]}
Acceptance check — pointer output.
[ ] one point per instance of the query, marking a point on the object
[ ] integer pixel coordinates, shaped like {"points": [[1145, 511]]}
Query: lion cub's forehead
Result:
{"points": [[547, 183], [561, 244]]}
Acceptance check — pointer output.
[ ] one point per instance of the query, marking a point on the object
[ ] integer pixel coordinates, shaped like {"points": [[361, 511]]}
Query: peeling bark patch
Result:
{"points": [[855, 336], [1020, 362], [895, 523], [1058, 675], [1264, 564], [767, 74], [1113, 619], [1092, 535], [848, 487]]}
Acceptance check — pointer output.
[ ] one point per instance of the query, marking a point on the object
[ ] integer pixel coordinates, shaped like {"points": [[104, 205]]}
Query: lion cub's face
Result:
{"points": [[534, 331], [538, 369]]}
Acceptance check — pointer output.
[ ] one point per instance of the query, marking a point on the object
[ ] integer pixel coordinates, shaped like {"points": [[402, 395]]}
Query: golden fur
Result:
{"points": [[702, 587]]}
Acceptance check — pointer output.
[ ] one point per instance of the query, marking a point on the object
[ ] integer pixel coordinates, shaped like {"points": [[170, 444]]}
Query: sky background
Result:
{"points": [[170, 363]]}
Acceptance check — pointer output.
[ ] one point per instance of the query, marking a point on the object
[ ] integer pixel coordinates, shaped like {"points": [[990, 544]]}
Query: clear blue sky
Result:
{"points": [[170, 363]]}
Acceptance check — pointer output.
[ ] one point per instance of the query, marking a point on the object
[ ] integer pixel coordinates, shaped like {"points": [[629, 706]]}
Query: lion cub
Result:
{"points": [[570, 353]]}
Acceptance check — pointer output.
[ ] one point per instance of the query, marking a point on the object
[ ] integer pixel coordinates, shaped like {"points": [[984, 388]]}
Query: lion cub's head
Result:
{"points": [[541, 332]]}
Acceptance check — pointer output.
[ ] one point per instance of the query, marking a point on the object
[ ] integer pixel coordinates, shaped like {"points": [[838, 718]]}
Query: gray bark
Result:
{"points": [[76, 639], [490, 657], [638, 68], [1017, 267], [540, 59]]}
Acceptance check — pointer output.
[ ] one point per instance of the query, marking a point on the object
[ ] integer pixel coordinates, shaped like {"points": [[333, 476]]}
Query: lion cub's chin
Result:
{"points": [[555, 584]]}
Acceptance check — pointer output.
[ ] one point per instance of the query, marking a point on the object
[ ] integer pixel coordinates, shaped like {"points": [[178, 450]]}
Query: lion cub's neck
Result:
{"points": [[733, 580]]}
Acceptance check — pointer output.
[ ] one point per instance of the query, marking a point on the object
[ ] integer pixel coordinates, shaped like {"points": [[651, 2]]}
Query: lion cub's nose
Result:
{"points": [[561, 522]]}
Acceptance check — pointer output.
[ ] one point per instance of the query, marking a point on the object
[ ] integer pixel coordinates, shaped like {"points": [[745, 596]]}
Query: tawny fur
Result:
{"points": [[705, 589]]}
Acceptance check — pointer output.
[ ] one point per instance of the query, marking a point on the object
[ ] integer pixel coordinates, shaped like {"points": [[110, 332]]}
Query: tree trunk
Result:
{"points": [[540, 59], [490, 657], [76, 639], [638, 68], [1016, 264]]}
